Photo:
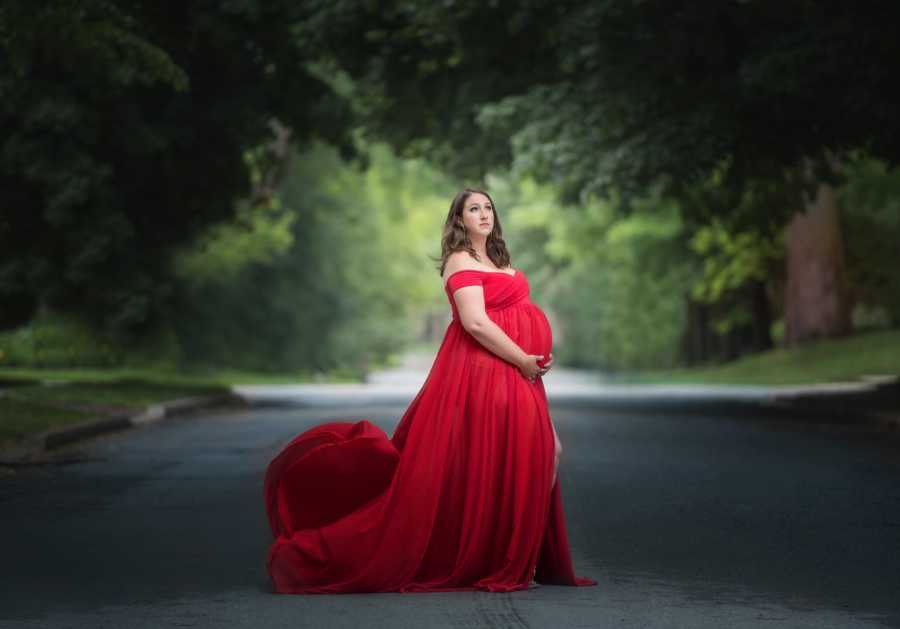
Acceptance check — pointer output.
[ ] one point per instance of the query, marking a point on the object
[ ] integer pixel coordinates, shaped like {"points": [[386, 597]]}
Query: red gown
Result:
{"points": [[459, 498]]}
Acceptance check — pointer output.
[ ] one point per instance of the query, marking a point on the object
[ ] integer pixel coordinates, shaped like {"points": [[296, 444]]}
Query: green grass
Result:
{"points": [[19, 419], [127, 394], [28, 407], [31, 407], [823, 361], [221, 377]]}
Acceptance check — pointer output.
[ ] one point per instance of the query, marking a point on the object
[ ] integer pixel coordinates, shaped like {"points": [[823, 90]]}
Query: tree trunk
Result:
{"points": [[275, 167], [816, 299], [693, 342], [761, 326], [701, 344]]}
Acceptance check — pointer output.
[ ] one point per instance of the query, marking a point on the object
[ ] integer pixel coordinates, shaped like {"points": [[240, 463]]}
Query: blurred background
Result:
{"points": [[253, 191], [206, 203]]}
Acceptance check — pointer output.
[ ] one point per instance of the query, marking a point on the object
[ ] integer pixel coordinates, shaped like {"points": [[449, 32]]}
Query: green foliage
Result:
{"points": [[603, 96], [125, 132], [870, 200], [94, 37], [258, 233], [720, 106], [54, 340], [347, 292], [254, 236], [614, 286], [647, 276], [730, 262], [54, 343], [135, 131], [335, 285]]}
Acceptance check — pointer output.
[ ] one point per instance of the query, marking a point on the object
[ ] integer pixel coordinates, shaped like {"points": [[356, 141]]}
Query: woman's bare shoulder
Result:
{"points": [[457, 261]]}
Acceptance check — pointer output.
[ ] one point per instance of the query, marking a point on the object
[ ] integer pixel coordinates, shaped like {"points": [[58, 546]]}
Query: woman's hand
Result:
{"points": [[548, 364], [530, 367]]}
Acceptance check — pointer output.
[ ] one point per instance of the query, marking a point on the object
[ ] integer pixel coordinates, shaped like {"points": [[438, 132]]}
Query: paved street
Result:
{"points": [[699, 513]]}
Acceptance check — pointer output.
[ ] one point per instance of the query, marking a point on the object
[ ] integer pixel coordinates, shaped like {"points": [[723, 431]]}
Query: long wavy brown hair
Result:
{"points": [[455, 238]]}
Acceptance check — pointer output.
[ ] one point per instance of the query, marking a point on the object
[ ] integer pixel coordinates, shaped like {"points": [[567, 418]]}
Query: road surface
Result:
{"points": [[708, 512]]}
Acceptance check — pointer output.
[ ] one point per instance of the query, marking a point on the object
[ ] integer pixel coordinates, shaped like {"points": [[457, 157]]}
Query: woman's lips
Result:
{"points": [[485, 224]]}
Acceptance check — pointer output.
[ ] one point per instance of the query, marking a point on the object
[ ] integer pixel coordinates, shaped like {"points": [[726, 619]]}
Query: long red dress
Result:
{"points": [[460, 497]]}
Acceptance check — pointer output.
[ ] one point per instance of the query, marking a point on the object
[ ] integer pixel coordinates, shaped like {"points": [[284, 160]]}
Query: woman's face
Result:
{"points": [[478, 215]]}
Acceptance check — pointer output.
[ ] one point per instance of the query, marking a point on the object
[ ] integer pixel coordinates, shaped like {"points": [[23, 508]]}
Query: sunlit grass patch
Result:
{"points": [[871, 353]]}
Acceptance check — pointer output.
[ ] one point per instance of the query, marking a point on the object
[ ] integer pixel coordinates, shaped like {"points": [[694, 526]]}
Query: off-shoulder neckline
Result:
{"points": [[513, 274]]}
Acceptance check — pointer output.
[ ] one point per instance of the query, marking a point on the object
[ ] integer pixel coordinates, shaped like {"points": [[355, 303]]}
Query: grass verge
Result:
{"points": [[19, 419], [832, 360], [33, 400], [30, 406]]}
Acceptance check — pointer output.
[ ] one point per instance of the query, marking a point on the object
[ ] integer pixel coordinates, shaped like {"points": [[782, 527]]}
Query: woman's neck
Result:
{"points": [[479, 244]]}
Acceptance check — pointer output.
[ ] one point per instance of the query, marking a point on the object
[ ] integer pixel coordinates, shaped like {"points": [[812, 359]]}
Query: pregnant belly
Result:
{"points": [[529, 328], [543, 335]]}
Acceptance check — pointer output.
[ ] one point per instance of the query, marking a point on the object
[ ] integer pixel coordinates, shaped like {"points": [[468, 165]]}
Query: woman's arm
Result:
{"points": [[473, 317]]}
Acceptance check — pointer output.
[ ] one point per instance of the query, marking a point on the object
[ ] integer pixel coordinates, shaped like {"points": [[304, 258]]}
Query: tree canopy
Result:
{"points": [[126, 127], [599, 95], [132, 129]]}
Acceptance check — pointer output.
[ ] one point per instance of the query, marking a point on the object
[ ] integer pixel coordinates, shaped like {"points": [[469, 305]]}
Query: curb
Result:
{"points": [[34, 447], [876, 402], [836, 414]]}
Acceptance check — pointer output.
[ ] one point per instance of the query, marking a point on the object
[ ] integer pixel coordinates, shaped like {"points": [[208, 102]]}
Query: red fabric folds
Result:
{"points": [[459, 498]]}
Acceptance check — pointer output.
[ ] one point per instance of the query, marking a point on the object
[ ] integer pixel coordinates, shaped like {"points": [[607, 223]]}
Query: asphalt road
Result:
{"points": [[707, 515]]}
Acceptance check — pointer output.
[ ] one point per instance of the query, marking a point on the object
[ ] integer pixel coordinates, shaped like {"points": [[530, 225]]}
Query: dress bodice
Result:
{"points": [[501, 290]]}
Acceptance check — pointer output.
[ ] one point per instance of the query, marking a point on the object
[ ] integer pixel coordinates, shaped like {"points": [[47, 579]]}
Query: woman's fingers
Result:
{"points": [[541, 370]]}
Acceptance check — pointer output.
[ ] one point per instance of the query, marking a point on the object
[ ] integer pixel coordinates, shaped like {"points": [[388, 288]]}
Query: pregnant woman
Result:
{"points": [[463, 496]]}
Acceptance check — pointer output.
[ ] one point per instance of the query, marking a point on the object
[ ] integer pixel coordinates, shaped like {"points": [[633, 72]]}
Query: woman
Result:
{"points": [[463, 496]]}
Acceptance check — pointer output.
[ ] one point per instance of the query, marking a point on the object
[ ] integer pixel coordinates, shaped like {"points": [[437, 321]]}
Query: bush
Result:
{"points": [[53, 340]]}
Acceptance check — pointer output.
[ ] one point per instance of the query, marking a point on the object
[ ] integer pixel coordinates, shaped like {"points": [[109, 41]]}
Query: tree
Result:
{"points": [[125, 129], [602, 96]]}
